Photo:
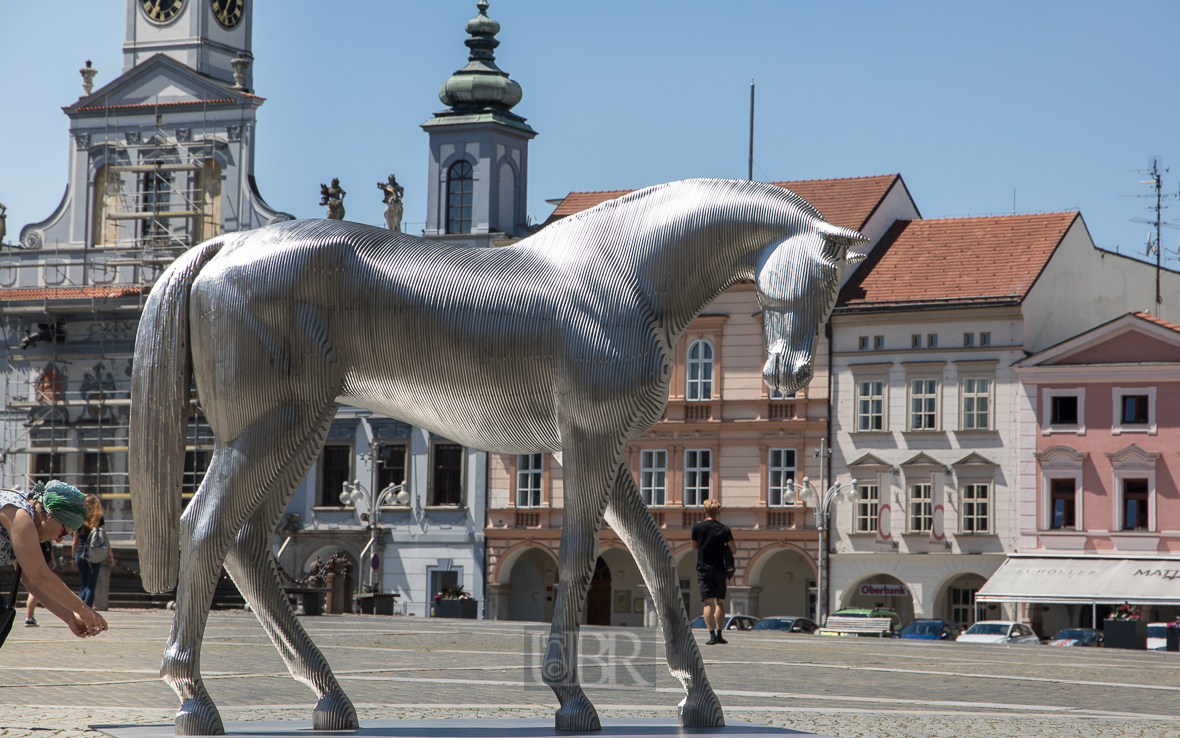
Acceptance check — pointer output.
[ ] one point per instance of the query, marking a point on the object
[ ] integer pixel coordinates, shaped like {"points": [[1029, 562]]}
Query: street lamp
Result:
{"points": [[822, 500], [355, 493]]}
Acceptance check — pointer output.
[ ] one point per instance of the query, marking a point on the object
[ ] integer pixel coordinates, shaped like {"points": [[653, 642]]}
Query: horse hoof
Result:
{"points": [[577, 714], [199, 716], [703, 711], [334, 711]]}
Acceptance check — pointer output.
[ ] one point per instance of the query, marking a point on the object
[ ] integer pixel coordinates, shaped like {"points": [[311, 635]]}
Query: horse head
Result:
{"points": [[798, 279]]}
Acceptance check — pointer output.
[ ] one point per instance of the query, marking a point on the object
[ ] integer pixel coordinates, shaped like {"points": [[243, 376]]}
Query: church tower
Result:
{"points": [[478, 182], [204, 35]]}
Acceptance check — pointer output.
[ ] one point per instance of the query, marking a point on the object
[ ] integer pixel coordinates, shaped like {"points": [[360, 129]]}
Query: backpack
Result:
{"points": [[97, 546]]}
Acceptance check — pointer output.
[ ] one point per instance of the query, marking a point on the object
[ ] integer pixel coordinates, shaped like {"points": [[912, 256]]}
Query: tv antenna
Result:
{"points": [[1155, 178]]}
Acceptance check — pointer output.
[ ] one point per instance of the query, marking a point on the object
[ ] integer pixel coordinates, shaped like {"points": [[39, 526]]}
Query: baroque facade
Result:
{"points": [[161, 158], [722, 437]]}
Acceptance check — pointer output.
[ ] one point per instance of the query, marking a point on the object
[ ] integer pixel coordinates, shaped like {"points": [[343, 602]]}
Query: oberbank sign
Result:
{"points": [[883, 590]]}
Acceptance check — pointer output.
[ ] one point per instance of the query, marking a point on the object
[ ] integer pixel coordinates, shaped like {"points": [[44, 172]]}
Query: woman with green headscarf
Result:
{"points": [[48, 513]]}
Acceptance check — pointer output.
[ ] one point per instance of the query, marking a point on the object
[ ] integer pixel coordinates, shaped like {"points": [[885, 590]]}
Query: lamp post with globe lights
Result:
{"points": [[822, 500], [356, 493]]}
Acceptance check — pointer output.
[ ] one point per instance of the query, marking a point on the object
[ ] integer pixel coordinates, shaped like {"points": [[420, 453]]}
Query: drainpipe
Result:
{"points": [[828, 435]]}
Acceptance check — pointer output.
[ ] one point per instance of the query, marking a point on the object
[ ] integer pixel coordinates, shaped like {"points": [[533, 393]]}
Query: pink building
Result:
{"points": [[1100, 476]]}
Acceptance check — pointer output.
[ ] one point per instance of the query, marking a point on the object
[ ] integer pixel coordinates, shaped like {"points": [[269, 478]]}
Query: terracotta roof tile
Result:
{"points": [[956, 261], [72, 293], [845, 202], [1152, 319]]}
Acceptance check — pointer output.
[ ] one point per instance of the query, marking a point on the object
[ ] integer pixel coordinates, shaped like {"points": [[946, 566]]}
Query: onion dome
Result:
{"points": [[481, 84]]}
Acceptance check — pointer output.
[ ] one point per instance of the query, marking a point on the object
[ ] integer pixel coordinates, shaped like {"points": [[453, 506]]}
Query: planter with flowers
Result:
{"points": [[1125, 629], [455, 603]]}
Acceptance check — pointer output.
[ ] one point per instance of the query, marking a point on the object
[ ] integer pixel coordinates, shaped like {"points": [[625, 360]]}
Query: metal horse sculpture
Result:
{"points": [[561, 343]]}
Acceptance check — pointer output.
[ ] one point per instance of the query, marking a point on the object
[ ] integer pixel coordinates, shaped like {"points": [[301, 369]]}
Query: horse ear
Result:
{"points": [[854, 258], [840, 235]]}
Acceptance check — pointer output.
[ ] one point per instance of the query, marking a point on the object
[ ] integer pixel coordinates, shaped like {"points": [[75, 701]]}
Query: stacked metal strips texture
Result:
{"points": [[562, 343]]}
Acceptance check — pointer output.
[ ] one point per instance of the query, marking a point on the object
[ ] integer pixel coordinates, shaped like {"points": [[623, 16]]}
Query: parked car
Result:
{"points": [[931, 630], [1076, 637], [1157, 636], [787, 623], [732, 622], [998, 631]]}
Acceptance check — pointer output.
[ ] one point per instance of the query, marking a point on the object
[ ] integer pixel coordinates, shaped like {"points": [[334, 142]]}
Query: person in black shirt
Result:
{"points": [[709, 539]]}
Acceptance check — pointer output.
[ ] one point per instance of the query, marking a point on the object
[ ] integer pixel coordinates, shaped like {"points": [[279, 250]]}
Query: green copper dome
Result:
{"points": [[480, 84]]}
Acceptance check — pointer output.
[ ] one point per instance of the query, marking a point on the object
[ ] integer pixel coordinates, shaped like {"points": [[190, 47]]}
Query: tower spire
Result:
{"points": [[481, 86]]}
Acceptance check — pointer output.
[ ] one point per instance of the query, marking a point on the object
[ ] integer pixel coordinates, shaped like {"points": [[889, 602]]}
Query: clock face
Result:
{"points": [[162, 11], [228, 12]]}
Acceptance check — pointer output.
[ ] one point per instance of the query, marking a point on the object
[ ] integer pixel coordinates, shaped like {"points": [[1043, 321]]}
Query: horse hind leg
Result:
{"points": [[252, 565], [628, 515], [239, 478]]}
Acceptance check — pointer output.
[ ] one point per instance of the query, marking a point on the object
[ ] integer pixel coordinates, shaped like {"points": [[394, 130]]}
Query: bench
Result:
{"points": [[845, 625]]}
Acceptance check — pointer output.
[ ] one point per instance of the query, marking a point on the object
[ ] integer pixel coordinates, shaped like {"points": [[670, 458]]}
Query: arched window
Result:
{"points": [[460, 182], [700, 371]]}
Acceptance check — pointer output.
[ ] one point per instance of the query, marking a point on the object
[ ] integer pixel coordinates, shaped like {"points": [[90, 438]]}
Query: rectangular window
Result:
{"points": [[924, 404], [862, 343], [932, 340], [391, 466], [977, 403], [968, 339], [698, 468], [867, 500], [1134, 409], [916, 341], [1134, 504], [975, 508], [96, 474], [447, 475], [963, 605], [1063, 410], [653, 476], [196, 463], [47, 467], [780, 475], [528, 480], [921, 508], [985, 339], [335, 465], [870, 406], [878, 342], [1061, 504]]}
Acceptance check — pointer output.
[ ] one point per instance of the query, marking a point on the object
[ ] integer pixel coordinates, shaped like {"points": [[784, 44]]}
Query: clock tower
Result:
{"points": [[203, 35]]}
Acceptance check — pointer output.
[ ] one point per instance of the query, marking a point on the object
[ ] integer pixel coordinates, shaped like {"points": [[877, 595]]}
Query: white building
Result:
{"points": [[926, 404]]}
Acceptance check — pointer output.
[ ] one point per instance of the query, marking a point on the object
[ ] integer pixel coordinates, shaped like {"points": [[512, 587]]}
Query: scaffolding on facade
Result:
{"points": [[70, 312]]}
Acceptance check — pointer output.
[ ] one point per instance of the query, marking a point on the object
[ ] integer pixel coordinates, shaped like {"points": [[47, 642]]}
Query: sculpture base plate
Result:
{"points": [[465, 728]]}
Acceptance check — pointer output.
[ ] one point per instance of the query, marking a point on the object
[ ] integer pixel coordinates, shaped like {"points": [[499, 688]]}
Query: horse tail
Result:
{"points": [[161, 380]]}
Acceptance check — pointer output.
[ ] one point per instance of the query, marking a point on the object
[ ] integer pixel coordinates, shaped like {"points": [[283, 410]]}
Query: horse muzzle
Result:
{"points": [[787, 377]]}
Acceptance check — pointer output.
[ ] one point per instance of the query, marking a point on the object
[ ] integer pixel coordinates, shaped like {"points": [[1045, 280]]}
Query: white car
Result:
{"points": [[998, 631]]}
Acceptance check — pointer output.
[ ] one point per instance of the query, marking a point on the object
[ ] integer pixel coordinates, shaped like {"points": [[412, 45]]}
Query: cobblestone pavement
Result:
{"points": [[54, 684]]}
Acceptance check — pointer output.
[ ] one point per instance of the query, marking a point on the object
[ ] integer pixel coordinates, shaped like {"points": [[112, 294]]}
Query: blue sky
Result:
{"points": [[1059, 101]]}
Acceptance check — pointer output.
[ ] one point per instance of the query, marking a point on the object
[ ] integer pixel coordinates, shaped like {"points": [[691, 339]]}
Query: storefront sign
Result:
{"points": [[883, 590]]}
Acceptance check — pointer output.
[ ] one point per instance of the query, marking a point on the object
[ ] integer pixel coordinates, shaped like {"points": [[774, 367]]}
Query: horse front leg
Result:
{"points": [[629, 516], [252, 565], [589, 465]]}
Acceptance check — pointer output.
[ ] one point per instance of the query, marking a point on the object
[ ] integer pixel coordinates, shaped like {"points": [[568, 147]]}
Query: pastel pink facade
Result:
{"points": [[1101, 459]]}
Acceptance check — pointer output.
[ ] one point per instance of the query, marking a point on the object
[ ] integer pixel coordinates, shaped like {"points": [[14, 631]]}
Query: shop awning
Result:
{"points": [[1086, 580]]}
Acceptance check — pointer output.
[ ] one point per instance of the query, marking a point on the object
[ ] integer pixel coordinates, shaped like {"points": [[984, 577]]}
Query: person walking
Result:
{"points": [[88, 570], [710, 537], [31, 603]]}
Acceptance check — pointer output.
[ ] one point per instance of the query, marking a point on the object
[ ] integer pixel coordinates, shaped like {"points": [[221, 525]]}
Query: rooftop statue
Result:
{"points": [[561, 343], [3, 221], [333, 197], [393, 203]]}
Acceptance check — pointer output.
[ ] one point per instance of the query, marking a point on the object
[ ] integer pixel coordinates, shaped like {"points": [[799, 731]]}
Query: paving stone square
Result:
{"points": [[52, 684]]}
